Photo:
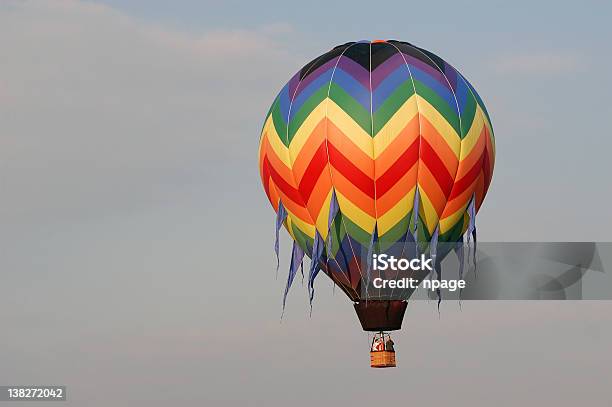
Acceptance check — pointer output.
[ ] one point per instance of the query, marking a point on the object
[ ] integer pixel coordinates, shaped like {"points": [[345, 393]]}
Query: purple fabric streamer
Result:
{"points": [[317, 251], [471, 210], [433, 244], [373, 240], [333, 211], [281, 215], [302, 271], [415, 215], [438, 269], [471, 230], [475, 247], [460, 252], [409, 241], [297, 254]]}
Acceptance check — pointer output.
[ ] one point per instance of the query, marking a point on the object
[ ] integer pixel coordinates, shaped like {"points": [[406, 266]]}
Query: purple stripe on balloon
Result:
{"points": [[297, 256], [354, 88], [342, 258], [451, 75], [350, 253], [386, 68], [355, 70], [306, 91], [315, 74], [315, 257], [293, 84], [281, 215], [389, 85], [412, 61]]}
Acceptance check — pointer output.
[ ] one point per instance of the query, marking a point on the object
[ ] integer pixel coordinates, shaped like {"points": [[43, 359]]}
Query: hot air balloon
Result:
{"points": [[374, 142]]}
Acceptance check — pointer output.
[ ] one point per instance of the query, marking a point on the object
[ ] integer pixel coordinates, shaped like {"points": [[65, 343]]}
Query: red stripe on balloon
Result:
{"points": [[313, 172], [462, 184], [350, 171], [437, 167], [401, 166], [281, 184]]}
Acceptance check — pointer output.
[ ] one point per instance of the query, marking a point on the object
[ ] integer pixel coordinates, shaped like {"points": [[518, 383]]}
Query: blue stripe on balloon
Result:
{"points": [[389, 85], [442, 90], [283, 102], [308, 91], [353, 87], [463, 95]]}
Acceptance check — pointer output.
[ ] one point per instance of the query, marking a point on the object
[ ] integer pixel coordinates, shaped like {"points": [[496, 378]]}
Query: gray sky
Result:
{"points": [[136, 240]]}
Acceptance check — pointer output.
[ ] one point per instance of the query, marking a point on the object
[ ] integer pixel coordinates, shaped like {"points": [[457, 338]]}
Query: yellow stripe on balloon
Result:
{"points": [[305, 130], [323, 218], [395, 214], [428, 211], [349, 127], [395, 125], [356, 215], [489, 129], [473, 134], [450, 221], [289, 227], [304, 227], [439, 122], [466, 222], [275, 142]]}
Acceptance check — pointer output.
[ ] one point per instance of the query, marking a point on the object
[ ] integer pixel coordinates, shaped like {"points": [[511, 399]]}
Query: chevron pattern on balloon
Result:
{"points": [[375, 123]]}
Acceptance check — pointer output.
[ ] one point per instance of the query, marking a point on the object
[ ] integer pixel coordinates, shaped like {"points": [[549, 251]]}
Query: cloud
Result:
{"points": [[102, 112], [540, 64]]}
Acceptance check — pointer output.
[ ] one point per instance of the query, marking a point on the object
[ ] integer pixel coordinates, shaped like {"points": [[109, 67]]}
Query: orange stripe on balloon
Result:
{"points": [[295, 208], [429, 186], [319, 193], [447, 156], [459, 202], [343, 143], [397, 192], [303, 158], [274, 196], [352, 193], [431, 160], [291, 197], [361, 180], [463, 183], [403, 164], [479, 190], [278, 165], [473, 158], [397, 147]]}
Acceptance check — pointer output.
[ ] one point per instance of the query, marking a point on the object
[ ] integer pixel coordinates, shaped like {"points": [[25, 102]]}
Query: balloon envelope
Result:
{"points": [[374, 143]]}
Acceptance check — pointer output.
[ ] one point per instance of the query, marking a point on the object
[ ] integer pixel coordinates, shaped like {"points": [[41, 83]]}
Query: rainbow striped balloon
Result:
{"points": [[374, 141]]}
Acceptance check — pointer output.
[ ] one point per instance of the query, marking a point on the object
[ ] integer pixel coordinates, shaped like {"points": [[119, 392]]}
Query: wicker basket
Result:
{"points": [[382, 358]]}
